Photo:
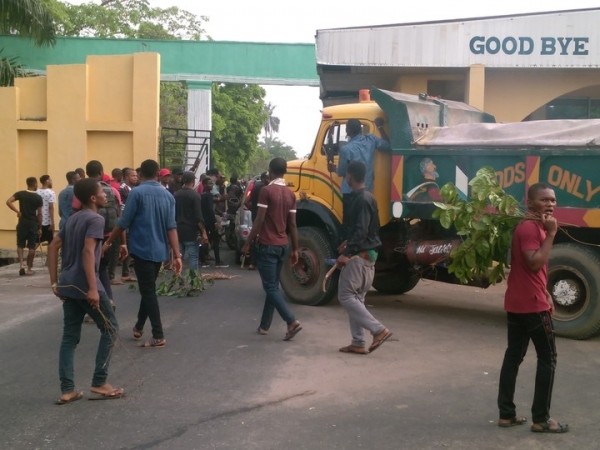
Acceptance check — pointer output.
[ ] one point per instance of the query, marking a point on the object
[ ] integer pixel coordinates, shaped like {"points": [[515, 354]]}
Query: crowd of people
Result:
{"points": [[154, 216], [143, 218]]}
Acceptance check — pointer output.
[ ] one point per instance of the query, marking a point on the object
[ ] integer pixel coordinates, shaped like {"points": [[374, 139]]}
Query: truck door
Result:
{"points": [[317, 180]]}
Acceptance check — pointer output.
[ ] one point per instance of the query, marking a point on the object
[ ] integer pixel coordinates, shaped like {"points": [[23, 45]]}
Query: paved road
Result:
{"points": [[218, 385]]}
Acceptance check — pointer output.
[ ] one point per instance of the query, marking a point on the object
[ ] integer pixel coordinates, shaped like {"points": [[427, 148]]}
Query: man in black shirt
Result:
{"points": [[29, 227], [357, 259], [210, 222], [190, 222]]}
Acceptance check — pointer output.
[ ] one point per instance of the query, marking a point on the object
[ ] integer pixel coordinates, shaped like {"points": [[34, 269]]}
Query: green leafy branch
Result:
{"points": [[485, 224], [188, 284]]}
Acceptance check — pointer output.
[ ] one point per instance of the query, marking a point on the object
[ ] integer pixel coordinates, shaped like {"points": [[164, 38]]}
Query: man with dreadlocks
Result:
{"points": [[81, 292]]}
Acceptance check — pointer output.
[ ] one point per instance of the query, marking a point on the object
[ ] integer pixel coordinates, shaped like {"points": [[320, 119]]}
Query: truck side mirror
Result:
{"points": [[331, 149]]}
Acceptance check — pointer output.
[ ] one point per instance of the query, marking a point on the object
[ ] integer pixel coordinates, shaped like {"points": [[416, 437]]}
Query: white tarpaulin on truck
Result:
{"points": [[540, 133]]}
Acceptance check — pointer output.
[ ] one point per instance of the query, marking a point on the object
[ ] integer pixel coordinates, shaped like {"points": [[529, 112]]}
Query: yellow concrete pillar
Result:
{"points": [[146, 102], [476, 86], [67, 116], [9, 113]]}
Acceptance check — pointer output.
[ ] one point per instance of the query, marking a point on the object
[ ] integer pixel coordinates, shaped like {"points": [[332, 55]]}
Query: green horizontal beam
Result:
{"points": [[214, 61]]}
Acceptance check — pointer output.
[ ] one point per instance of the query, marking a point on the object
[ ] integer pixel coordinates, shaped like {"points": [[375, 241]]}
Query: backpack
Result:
{"points": [[111, 211]]}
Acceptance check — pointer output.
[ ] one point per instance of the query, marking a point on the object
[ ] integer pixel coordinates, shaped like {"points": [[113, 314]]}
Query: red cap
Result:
{"points": [[164, 172]]}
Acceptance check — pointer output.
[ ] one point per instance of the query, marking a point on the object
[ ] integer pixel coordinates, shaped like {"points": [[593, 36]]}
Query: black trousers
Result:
{"points": [[147, 272], [522, 328]]}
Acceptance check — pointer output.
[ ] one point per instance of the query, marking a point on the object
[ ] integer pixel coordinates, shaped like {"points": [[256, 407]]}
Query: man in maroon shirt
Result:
{"points": [[529, 308], [275, 219]]}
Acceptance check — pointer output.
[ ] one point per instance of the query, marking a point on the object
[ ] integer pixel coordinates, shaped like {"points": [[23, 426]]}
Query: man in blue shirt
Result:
{"points": [[65, 199], [360, 147], [149, 217]]}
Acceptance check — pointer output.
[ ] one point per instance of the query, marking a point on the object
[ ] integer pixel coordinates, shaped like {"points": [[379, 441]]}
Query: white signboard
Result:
{"points": [[565, 39]]}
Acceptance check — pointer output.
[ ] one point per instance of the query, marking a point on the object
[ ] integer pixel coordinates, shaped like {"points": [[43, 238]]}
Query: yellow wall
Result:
{"points": [[511, 94], [106, 109]]}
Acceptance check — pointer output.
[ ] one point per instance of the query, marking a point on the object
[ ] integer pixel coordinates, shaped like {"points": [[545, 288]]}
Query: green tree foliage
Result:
{"points": [[272, 122], [268, 150], [28, 18], [134, 19], [485, 222], [173, 104], [238, 116]]}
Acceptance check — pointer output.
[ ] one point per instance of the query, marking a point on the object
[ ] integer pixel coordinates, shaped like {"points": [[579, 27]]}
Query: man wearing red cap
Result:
{"points": [[164, 175]]}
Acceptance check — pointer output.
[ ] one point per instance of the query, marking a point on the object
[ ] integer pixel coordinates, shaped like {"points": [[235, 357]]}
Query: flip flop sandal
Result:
{"points": [[377, 343], [154, 343], [293, 332], [262, 332], [507, 423], [544, 427], [137, 334], [354, 349], [112, 395], [62, 401]]}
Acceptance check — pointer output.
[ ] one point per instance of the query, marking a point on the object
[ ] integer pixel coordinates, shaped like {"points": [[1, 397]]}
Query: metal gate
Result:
{"points": [[185, 149]]}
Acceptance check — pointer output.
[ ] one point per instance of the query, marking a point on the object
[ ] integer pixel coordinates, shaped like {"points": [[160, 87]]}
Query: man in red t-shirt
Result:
{"points": [[529, 308], [275, 219]]}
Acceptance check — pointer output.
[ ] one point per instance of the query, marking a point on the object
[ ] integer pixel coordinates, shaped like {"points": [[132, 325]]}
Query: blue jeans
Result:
{"points": [[270, 260], [191, 253], [147, 272], [74, 310], [522, 328]]}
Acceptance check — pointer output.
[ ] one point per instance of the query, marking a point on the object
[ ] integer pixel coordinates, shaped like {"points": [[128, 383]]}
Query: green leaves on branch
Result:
{"points": [[485, 222], [188, 284]]}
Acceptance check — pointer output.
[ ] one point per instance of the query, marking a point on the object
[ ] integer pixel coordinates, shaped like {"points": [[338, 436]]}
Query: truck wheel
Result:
{"points": [[574, 282], [303, 282], [397, 281]]}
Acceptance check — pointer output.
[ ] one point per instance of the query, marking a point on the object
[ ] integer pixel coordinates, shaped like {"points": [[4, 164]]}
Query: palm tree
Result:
{"points": [[29, 18], [271, 124]]}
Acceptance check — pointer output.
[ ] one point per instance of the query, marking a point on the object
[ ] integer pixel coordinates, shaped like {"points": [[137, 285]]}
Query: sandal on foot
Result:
{"points": [[154, 343], [137, 334], [544, 427], [354, 349], [111, 395], [507, 423], [21, 271], [379, 339], [292, 331], [261, 331], [74, 398]]}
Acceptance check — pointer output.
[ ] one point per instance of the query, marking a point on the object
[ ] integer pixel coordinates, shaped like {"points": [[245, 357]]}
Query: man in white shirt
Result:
{"points": [[49, 199]]}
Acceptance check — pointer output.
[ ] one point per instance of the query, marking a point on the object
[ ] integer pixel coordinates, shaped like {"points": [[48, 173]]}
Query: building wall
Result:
{"points": [[512, 94], [105, 109]]}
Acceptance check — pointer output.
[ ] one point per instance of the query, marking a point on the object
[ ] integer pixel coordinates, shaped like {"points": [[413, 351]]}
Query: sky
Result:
{"points": [[297, 21]]}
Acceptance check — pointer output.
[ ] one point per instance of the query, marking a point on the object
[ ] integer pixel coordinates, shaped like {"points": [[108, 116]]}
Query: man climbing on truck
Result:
{"points": [[360, 147]]}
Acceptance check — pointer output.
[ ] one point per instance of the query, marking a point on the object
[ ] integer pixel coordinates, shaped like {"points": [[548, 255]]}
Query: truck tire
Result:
{"points": [[303, 282], [396, 282], [574, 283]]}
